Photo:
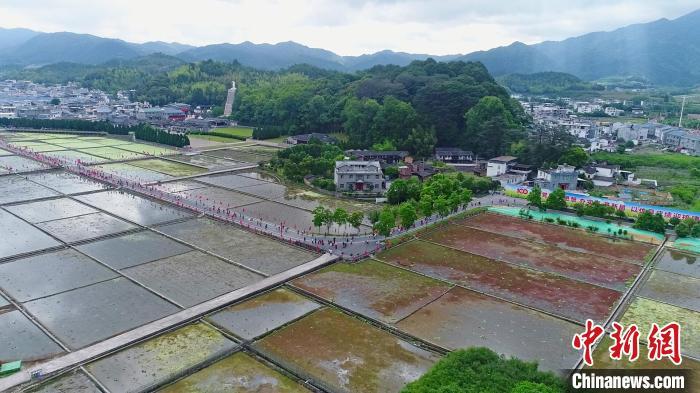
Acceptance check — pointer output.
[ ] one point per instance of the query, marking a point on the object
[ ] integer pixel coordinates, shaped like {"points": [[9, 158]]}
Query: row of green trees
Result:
{"points": [[142, 131], [61, 124], [408, 200], [686, 228], [148, 133], [323, 216]]}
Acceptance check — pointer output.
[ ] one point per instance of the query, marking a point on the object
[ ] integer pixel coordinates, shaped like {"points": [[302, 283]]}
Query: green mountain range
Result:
{"points": [[664, 52]]}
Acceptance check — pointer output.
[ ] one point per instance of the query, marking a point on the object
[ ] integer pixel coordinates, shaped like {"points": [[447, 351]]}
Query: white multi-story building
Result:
{"points": [[359, 177]]}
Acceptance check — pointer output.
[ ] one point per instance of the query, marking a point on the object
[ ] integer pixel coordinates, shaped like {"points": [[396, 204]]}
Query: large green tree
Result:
{"points": [[480, 370], [490, 128]]}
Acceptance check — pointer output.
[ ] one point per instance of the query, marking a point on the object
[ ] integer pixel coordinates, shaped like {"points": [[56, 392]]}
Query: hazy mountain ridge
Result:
{"points": [[666, 52]]}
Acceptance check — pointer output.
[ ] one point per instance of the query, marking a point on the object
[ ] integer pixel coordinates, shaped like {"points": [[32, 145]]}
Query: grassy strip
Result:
{"points": [[220, 135]]}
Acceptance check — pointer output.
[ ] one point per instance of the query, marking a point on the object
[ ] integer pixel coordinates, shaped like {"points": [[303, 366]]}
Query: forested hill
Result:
{"points": [[546, 83], [414, 107]]}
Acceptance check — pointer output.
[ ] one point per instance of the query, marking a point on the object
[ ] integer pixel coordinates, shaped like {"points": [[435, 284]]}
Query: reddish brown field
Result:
{"points": [[548, 292], [345, 354], [611, 273], [571, 239]]}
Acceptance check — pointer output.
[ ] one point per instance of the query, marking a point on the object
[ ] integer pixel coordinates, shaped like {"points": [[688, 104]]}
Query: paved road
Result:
{"points": [[347, 246]]}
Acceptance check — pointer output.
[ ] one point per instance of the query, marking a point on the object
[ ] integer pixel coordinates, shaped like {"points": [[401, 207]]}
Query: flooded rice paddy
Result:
{"points": [[210, 162], [134, 208], [264, 313], [504, 327], [238, 155], [256, 252], [133, 249], [90, 314], [17, 189], [64, 182], [47, 274], [49, 210], [111, 153], [85, 227], [17, 164], [191, 278], [19, 237], [373, 289], [679, 262], [133, 172], [672, 288], [21, 339]]}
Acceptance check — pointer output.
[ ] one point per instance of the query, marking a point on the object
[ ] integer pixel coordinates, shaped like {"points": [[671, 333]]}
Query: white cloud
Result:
{"points": [[343, 26]]}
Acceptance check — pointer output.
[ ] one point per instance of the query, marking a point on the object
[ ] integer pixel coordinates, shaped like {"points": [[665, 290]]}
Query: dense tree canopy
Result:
{"points": [[490, 127], [480, 370]]}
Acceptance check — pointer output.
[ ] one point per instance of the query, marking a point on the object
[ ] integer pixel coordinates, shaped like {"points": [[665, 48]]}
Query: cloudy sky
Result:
{"points": [[347, 27]]}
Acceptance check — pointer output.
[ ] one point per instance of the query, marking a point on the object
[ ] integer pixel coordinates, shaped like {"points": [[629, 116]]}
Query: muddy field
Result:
{"points": [[17, 164], [209, 162], [374, 289], [571, 239], [157, 361], [644, 312], [151, 150], [75, 381], [111, 153], [237, 155], [175, 169], [75, 156], [462, 319], [232, 181], [238, 373], [558, 295], [611, 273], [346, 354]]}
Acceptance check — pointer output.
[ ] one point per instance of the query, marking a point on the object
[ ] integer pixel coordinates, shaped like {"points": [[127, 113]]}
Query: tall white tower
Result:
{"points": [[228, 108]]}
